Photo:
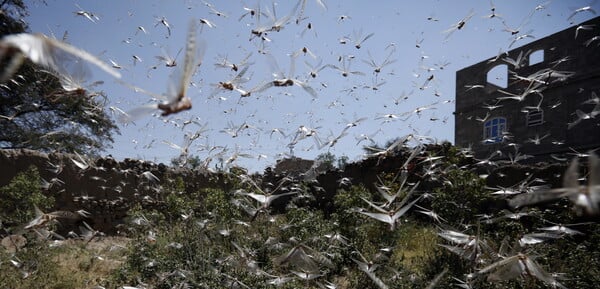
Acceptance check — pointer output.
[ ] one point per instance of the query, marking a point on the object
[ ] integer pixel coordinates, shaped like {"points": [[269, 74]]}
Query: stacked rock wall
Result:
{"points": [[107, 188]]}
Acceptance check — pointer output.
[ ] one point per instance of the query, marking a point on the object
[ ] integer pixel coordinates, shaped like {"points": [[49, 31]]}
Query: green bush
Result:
{"points": [[205, 241], [20, 195], [345, 202], [462, 198]]}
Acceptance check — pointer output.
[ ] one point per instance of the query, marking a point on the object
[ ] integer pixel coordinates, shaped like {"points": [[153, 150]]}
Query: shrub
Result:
{"points": [[20, 195], [462, 198]]}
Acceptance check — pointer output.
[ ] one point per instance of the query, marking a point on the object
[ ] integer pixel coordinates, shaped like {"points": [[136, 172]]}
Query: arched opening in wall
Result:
{"points": [[536, 57], [498, 75]]}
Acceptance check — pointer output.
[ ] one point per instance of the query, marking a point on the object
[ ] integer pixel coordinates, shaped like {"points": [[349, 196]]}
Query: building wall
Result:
{"points": [[583, 61]]}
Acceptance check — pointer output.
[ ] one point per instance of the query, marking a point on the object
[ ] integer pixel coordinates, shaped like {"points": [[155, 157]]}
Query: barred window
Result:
{"points": [[535, 117]]}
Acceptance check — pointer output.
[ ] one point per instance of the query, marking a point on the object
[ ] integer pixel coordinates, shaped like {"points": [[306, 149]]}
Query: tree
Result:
{"points": [[192, 162], [342, 162], [21, 195], [15, 8], [37, 113], [326, 160]]}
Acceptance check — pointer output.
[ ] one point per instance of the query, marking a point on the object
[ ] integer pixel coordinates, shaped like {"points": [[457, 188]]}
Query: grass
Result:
{"points": [[70, 264], [417, 247]]}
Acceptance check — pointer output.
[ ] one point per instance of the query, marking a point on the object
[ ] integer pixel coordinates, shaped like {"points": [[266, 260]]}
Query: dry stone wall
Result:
{"points": [[108, 188]]}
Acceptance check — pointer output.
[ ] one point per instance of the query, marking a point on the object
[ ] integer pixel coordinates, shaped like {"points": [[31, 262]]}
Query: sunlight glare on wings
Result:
{"points": [[180, 80], [52, 54], [175, 99]]}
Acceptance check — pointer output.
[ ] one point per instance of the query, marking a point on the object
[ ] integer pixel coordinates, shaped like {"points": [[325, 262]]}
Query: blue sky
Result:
{"points": [[397, 26]]}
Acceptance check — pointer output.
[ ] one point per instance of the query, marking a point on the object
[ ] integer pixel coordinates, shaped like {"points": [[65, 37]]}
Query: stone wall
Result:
{"points": [[109, 188]]}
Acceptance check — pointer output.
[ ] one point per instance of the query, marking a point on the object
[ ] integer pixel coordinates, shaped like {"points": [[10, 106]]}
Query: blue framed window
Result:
{"points": [[493, 130]]}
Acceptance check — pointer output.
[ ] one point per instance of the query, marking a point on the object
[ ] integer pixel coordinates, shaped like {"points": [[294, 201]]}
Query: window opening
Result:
{"points": [[498, 75], [536, 57], [493, 130], [535, 117]]}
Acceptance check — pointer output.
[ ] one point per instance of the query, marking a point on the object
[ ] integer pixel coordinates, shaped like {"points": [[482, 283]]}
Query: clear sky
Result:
{"points": [[411, 31]]}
